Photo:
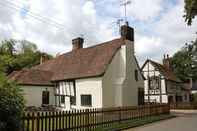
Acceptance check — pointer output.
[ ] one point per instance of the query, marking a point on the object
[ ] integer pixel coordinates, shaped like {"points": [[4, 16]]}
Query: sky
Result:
{"points": [[52, 24]]}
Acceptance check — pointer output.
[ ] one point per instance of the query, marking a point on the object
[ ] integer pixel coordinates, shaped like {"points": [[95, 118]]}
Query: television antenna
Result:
{"points": [[125, 3], [118, 22]]}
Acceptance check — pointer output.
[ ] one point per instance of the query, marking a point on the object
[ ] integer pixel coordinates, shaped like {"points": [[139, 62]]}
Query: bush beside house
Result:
{"points": [[11, 105]]}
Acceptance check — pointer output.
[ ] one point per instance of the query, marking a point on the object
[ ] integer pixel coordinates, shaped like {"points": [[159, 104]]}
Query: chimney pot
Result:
{"points": [[127, 32], [166, 62], [77, 43]]}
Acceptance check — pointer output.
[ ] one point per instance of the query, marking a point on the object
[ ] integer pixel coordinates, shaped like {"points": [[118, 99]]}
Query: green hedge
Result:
{"points": [[11, 105]]}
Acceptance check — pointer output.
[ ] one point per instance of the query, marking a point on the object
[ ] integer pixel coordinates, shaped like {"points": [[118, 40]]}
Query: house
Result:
{"points": [[194, 87], [104, 75], [161, 84]]}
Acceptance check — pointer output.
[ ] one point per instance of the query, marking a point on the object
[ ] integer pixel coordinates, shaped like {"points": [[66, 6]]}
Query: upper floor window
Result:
{"points": [[154, 82], [136, 74], [86, 100]]}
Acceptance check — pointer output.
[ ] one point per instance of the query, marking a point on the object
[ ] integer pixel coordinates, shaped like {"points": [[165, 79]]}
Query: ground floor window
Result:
{"points": [[73, 100], [170, 99], [62, 99], [45, 97], [86, 100]]}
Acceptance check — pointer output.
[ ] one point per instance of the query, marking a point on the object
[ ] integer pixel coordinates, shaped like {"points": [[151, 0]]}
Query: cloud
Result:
{"points": [[169, 32], [77, 17], [144, 10], [159, 25]]}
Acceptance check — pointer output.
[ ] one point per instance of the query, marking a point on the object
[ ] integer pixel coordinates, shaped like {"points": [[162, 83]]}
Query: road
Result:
{"points": [[185, 121]]}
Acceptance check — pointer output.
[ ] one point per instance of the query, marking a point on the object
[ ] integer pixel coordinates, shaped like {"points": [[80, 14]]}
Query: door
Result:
{"points": [[140, 96], [45, 98]]}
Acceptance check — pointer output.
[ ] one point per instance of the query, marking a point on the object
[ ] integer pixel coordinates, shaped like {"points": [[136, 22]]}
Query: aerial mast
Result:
{"points": [[125, 3]]}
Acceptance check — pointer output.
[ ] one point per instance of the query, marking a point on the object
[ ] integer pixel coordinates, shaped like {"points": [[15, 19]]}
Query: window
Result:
{"points": [[86, 100], [136, 75], [45, 97], [73, 100], [154, 83], [62, 99]]}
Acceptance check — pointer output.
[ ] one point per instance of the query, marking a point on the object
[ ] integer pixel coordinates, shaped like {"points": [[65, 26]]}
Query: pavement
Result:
{"points": [[186, 120]]}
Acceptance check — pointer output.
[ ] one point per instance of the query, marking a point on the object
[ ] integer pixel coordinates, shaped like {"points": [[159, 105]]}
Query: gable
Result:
{"points": [[160, 69]]}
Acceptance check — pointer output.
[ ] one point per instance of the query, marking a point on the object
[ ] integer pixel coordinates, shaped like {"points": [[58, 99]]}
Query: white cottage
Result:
{"points": [[161, 84], [104, 75]]}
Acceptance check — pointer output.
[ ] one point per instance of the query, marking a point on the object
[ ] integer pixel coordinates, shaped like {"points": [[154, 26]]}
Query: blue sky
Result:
{"points": [[159, 25]]}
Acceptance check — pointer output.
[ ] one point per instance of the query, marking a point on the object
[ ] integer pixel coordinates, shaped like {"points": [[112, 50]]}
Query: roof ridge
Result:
{"points": [[93, 46]]}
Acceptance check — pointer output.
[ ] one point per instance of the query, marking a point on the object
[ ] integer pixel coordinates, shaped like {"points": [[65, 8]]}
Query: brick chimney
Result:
{"points": [[127, 32], [43, 58], [166, 61], [77, 43]]}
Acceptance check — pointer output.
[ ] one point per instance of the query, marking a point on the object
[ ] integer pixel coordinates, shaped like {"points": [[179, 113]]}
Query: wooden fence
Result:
{"points": [[183, 105], [89, 119]]}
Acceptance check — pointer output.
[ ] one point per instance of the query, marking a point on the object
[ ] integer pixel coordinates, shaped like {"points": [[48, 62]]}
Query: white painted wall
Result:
{"points": [[194, 91], [89, 86], [153, 98], [33, 95], [119, 85]]}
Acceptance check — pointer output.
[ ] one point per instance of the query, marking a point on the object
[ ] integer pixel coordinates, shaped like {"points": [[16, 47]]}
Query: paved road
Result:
{"points": [[185, 121]]}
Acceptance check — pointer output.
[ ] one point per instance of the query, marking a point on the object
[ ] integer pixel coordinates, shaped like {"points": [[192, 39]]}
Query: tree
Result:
{"points": [[184, 62], [18, 54], [190, 10], [11, 105]]}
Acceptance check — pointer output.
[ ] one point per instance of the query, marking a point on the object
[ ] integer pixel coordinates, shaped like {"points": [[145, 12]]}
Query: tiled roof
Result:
{"points": [[31, 77], [167, 73], [80, 63]]}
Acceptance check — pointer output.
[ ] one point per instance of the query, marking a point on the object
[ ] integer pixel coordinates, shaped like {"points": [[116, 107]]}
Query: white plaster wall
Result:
{"points": [[130, 85], [89, 86], [156, 98], [193, 92], [164, 98], [33, 95], [163, 87], [113, 79], [119, 85]]}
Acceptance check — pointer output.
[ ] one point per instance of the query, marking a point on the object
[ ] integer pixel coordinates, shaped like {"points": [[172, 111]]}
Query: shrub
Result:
{"points": [[11, 105]]}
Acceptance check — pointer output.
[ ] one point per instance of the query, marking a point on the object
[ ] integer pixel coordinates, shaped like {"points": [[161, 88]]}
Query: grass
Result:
{"points": [[134, 123]]}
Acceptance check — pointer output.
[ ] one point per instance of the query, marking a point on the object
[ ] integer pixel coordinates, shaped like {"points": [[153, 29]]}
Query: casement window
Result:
{"points": [[73, 100], [86, 100], [136, 75], [154, 82], [45, 97], [62, 99]]}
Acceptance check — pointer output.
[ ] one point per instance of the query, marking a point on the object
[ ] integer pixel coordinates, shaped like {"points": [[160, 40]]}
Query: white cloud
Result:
{"points": [[78, 17], [170, 32], [167, 31], [88, 8], [144, 9]]}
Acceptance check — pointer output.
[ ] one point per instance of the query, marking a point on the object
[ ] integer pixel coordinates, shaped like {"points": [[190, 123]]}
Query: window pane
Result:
{"points": [[86, 100], [62, 99], [45, 97], [73, 100], [136, 75]]}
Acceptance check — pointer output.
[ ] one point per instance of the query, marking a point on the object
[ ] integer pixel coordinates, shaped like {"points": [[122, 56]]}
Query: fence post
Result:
{"points": [[119, 110], [87, 119]]}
